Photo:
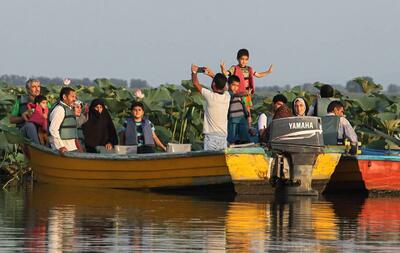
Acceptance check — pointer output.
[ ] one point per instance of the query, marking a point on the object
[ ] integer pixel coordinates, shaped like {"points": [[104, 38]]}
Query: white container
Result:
{"points": [[123, 150], [178, 148]]}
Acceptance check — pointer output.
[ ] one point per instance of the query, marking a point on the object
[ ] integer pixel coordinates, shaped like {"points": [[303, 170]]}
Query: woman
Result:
{"points": [[99, 130], [300, 107]]}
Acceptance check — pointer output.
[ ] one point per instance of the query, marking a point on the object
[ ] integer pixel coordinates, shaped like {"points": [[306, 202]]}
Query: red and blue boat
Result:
{"points": [[373, 171]]}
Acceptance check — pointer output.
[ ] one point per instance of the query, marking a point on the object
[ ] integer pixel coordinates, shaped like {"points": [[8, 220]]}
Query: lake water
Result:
{"points": [[45, 218]]}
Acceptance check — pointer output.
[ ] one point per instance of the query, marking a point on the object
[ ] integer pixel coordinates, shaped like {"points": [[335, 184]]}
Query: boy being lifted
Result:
{"points": [[215, 111]]}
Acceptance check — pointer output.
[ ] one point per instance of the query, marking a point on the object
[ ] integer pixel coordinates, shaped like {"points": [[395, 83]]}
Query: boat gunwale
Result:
{"points": [[145, 157]]}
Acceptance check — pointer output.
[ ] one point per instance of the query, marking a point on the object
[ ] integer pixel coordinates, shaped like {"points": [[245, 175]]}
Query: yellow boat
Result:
{"points": [[159, 170], [251, 175]]}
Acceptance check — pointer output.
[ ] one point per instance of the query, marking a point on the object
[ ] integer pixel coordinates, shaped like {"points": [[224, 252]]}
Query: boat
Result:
{"points": [[296, 164], [374, 171], [138, 171], [255, 179]]}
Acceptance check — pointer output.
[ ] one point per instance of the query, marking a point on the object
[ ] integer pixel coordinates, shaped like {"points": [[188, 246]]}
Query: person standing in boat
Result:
{"points": [[299, 107], [99, 129], [246, 75], [320, 105], [20, 113], [140, 131], [215, 124], [62, 122], [239, 123], [344, 128]]}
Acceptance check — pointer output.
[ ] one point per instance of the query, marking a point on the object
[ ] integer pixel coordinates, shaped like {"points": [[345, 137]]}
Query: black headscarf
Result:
{"points": [[99, 129]]}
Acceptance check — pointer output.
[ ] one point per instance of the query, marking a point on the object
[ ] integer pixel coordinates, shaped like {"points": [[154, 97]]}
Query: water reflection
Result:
{"points": [[50, 218]]}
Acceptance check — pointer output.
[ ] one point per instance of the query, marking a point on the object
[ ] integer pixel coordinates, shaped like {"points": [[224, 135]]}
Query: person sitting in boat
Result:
{"points": [[140, 131], [216, 109], [20, 113], [343, 126], [39, 117], [299, 107], [99, 129], [320, 105], [62, 122], [277, 101], [239, 122], [81, 118]]}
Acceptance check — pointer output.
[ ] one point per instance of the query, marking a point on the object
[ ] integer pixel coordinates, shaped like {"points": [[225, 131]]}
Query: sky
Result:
{"points": [[307, 41]]}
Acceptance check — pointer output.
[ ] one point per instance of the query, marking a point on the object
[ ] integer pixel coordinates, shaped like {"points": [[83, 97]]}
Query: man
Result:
{"points": [[215, 127], [320, 105], [344, 128], [278, 101], [63, 127], [20, 114]]}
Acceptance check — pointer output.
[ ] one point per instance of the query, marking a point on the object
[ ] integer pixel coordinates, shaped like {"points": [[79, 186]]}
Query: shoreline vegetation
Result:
{"points": [[177, 111]]}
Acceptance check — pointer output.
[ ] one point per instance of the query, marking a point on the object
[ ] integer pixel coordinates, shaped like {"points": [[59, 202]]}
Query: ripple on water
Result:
{"points": [[49, 218]]}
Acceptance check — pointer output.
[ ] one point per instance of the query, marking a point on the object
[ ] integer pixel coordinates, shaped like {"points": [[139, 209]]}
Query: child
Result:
{"points": [[245, 74], [238, 117], [39, 117], [215, 111], [139, 131]]}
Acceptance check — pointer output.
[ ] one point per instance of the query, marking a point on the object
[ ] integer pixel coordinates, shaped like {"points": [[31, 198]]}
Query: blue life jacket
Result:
{"points": [[131, 133]]}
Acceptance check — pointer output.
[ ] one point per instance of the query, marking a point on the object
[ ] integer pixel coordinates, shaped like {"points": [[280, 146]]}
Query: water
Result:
{"points": [[45, 218]]}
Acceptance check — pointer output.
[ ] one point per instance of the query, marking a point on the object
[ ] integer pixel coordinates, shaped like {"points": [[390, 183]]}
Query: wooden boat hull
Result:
{"points": [[166, 170], [254, 179], [380, 173]]}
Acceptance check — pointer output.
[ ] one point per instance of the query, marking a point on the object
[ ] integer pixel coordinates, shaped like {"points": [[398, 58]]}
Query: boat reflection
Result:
{"points": [[263, 224], [61, 219]]}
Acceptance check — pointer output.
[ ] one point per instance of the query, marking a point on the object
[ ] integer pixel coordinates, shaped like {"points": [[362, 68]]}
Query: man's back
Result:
{"points": [[216, 112]]}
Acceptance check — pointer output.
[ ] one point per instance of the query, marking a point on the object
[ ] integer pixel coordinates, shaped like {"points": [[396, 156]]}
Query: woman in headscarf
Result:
{"points": [[300, 107], [99, 130]]}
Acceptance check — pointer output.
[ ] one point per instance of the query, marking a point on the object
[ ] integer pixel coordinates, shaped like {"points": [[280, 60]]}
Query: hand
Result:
{"points": [[194, 68], [222, 65], [252, 132], [164, 148], [109, 146], [271, 69], [25, 115], [249, 91], [45, 115], [209, 72], [62, 150]]}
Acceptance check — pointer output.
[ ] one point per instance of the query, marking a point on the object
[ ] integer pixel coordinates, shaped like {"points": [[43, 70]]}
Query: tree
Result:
{"points": [[352, 86], [138, 83]]}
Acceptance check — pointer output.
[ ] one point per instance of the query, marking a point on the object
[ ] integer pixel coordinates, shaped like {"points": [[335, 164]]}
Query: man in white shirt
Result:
{"points": [[215, 126], [63, 126]]}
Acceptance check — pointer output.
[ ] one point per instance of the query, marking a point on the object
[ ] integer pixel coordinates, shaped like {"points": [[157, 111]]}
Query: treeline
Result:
{"points": [[20, 80], [351, 86]]}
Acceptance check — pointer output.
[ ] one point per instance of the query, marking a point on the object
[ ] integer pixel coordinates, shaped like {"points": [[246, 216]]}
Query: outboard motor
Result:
{"points": [[297, 140]]}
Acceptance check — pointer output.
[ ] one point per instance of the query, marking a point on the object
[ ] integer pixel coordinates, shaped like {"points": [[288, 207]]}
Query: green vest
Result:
{"points": [[68, 128], [23, 107], [330, 128], [322, 106]]}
